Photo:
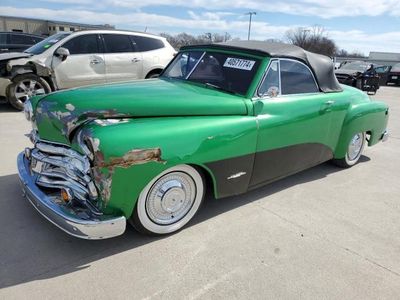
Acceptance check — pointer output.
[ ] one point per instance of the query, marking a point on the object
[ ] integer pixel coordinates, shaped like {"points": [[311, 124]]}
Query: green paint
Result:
{"points": [[196, 125]]}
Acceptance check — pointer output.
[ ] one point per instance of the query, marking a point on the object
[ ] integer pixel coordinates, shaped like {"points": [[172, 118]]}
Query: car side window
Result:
{"points": [[83, 44], [296, 78], [118, 43], [3, 38], [20, 39], [270, 85], [147, 44], [383, 69]]}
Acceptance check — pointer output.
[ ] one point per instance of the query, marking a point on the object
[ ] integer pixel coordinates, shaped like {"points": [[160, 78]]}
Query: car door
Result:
{"points": [[123, 62], [295, 122], [84, 66], [383, 73], [4, 42]]}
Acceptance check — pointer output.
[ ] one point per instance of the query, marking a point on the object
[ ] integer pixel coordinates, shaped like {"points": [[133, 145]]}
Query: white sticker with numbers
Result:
{"points": [[238, 63]]}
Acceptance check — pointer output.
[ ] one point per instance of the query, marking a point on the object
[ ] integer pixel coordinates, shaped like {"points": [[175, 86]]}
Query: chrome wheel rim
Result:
{"points": [[355, 146], [170, 198], [28, 88]]}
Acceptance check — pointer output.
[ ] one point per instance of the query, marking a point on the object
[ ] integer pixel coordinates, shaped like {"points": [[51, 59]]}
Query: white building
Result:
{"points": [[43, 27]]}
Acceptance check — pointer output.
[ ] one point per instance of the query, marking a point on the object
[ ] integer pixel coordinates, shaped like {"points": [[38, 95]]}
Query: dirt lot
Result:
{"points": [[323, 233]]}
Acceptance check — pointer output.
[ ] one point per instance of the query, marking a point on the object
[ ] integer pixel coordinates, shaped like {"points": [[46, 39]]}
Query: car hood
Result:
{"points": [[57, 115], [13, 55]]}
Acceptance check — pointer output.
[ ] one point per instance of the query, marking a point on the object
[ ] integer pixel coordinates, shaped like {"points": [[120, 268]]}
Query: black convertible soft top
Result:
{"points": [[321, 65]]}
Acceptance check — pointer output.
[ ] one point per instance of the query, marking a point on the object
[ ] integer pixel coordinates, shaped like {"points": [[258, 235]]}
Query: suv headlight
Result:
{"points": [[28, 110]]}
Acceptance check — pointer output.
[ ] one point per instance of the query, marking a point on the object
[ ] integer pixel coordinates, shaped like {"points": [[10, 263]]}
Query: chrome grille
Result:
{"points": [[58, 167]]}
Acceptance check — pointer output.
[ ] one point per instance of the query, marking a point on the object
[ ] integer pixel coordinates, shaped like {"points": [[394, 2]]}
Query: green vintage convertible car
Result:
{"points": [[235, 115]]}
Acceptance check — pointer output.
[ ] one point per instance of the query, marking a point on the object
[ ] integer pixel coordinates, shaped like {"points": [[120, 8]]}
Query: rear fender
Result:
{"points": [[369, 117]]}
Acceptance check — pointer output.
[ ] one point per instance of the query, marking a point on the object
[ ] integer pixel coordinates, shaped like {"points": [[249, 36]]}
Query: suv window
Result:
{"points": [[270, 85], [118, 43], [20, 39], [382, 69], [147, 44], [3, 38], [395, 68], [296, 78], [83, 44]]}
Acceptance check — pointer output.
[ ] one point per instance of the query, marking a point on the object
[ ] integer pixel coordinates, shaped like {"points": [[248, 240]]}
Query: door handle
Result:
{"points": [[326, 106], [136, 59], [95, 61], [329, 102]]}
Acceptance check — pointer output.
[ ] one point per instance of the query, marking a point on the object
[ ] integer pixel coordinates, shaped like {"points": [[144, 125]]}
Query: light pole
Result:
{"points": [[250, 13]]}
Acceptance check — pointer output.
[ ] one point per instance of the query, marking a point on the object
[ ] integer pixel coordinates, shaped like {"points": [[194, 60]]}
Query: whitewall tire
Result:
{"points": [[169, 201]]}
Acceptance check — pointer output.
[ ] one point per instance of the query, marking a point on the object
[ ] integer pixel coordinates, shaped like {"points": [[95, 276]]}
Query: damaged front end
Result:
{"points": [[59, 182]]}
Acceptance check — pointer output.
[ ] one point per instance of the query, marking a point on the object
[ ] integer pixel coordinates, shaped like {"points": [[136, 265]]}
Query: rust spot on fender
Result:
{"points": [[103, 178], [134, 157]]}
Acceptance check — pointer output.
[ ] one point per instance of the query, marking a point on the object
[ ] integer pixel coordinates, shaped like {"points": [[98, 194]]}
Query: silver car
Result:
{"points": [[67, 60]]}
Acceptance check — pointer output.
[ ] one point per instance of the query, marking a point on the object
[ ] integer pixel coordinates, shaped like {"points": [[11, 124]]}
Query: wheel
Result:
{"points": [[25, 86], [169, 201], [354, 151], [153, 74]]}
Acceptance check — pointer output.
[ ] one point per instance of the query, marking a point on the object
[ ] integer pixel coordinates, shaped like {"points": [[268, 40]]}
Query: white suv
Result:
{"points": [[67, 60]]}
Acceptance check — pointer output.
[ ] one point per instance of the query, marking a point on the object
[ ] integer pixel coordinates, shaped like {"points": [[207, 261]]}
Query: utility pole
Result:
{"points": [[250, 13]]}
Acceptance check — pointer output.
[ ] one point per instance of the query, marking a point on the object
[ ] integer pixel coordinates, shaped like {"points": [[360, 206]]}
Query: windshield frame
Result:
{"points": [[41, 45], [259, 62]]}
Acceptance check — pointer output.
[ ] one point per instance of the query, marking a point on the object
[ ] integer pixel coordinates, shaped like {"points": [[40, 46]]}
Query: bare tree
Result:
{"points": [[344, 53], [184, 39], [314, 39], [273, 40]]}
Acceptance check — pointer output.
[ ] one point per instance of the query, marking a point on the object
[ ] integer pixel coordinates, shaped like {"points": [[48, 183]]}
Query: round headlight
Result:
{"points": [[28, 110]]}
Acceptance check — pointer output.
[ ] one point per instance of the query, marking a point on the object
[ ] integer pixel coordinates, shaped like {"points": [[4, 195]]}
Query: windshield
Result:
{"points": [[226, 72], [46, 43], [356, 65], [396, 68]]}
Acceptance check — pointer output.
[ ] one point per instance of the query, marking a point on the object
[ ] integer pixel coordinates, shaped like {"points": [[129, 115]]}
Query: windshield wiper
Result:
{"points": [[217, 87]]}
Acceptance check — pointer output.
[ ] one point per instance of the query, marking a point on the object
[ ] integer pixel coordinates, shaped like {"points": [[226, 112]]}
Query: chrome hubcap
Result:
{"points": [[170, 198], [355, 146], [28, 88]]}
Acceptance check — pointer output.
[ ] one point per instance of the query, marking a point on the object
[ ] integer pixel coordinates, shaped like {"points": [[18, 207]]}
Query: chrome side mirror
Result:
{"points": [[273, 91], [62, 53]]}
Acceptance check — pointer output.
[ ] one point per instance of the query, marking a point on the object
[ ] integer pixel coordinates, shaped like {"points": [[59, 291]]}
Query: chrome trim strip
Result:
{"points": [[93, 228], [48, 148], [385, 136], [63, 162], [195, 66]]}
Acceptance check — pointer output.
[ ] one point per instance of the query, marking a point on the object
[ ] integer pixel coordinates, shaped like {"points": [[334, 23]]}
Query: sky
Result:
{"points": [[362, 26]]}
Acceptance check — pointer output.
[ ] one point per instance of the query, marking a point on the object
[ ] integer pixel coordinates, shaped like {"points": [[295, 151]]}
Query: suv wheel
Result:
{"points": [[25, 86], [153, 74]]}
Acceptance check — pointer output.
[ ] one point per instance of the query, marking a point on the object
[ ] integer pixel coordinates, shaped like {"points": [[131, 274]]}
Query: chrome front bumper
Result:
{"points": [[101, 227]]}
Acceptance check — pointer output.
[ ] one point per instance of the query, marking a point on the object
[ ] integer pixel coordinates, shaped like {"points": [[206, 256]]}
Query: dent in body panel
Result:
{"points": [[71, 118], [103, 170]]}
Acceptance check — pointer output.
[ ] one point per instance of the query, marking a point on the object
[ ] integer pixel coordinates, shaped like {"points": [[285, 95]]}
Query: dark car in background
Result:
{"points": [[394, 75], [17, 41], [359, 74], [383, 73]]}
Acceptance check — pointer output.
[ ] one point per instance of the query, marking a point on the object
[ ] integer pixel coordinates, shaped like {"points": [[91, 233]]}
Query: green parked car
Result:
{"points": [[234, 115]]}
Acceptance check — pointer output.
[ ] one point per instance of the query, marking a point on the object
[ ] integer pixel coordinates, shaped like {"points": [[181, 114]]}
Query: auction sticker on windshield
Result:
{"points": [[239, 63]]}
